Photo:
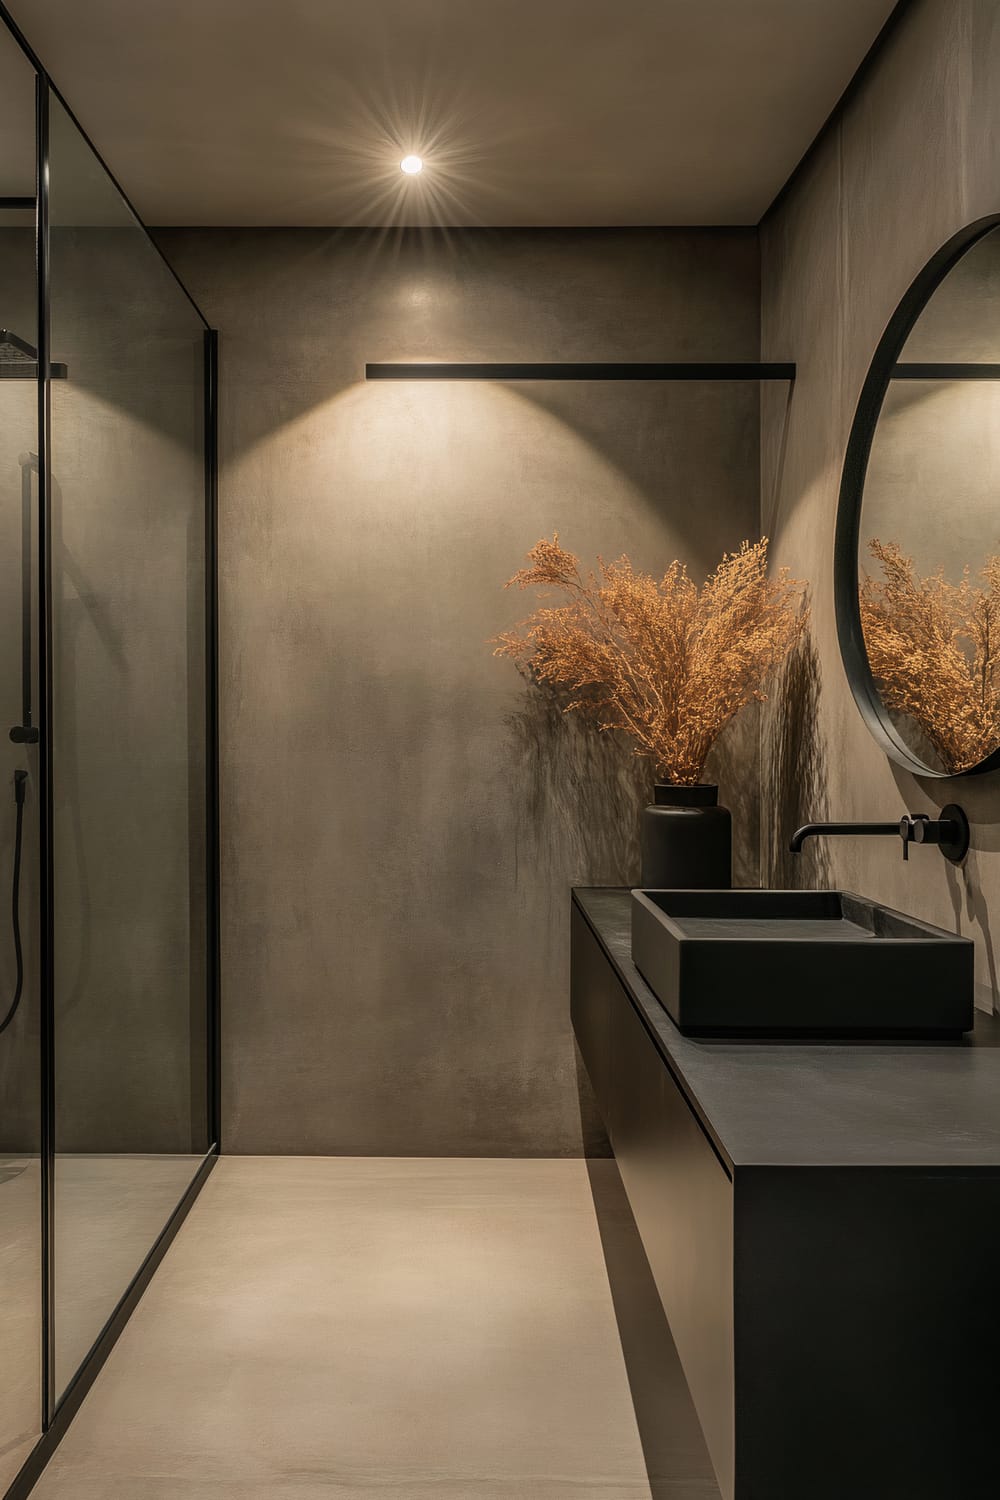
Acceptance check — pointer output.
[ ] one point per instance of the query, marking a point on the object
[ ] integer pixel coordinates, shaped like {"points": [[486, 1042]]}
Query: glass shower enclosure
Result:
{"points": [[108, 760]]}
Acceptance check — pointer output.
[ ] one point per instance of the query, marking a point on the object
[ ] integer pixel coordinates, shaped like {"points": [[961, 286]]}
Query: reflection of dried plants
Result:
{"points": [[934, 651], [667, 663]]}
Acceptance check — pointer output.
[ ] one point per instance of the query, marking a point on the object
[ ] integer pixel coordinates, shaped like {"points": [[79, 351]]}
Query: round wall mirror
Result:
{"points": [[917, 560]]}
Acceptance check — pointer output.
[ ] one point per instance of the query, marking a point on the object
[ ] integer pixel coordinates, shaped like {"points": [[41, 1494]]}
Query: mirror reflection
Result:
{"points": [[929, 538]]}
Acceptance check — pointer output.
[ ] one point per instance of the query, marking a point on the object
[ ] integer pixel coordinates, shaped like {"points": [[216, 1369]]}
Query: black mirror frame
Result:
{"points": [[852, 488]]}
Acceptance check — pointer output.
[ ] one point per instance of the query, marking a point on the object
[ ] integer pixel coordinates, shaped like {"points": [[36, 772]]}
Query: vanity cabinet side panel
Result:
{"points": [[867, 1332], [681, 1198], [593, 986]]}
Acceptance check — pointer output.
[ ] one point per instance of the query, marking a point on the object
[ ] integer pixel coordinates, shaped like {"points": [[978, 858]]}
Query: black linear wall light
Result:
{"points": [[581, 370], [946, 371]]}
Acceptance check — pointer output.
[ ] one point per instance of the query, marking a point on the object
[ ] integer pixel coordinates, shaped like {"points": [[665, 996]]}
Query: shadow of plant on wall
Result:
{"points": [[965, 887], [794, 773], [590, 787], [579, 797], [734, 765]]}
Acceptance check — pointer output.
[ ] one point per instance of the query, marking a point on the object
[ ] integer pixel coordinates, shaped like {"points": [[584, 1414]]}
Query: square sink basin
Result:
{"points": [[799, 963]]}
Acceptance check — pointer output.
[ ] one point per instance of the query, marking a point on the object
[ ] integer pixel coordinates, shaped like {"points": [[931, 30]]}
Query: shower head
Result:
{"points": [[19, 359]]}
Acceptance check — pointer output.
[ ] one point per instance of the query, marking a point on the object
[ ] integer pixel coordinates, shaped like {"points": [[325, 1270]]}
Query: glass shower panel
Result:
{"points": [[20, 1104], [128, 742]]}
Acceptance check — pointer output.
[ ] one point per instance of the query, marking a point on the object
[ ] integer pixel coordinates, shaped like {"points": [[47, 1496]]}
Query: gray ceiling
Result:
{"points": [[528, 112]]}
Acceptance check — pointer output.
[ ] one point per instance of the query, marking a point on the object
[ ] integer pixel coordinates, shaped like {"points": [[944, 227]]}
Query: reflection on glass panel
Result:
{"points": [[20, 1105], [128, 743], [929, 543]]}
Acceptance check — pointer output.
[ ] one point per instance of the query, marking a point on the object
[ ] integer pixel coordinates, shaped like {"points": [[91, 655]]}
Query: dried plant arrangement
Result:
{"points": [[665, 662], [934, 650]]}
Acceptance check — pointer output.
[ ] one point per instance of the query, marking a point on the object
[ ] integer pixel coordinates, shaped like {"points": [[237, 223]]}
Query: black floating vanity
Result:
{"points": [[822, 1219]]}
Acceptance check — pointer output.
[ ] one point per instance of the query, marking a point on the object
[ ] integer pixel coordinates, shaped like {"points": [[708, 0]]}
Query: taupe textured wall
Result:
{"points": [[401, 821], [915, 155]]}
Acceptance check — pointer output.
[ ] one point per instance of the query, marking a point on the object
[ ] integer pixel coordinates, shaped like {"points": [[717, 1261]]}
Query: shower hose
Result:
{"points": [[20, 778]]}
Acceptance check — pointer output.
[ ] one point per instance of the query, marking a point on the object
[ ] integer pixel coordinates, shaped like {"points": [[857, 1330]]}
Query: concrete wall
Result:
{"points": [[913, 157], [402, 821]]}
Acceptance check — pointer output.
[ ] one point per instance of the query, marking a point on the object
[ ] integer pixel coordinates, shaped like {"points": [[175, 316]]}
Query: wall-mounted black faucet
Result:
{"points": [[950, 832]]}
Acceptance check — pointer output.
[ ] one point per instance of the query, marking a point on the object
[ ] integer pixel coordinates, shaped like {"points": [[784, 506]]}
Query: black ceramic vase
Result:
{"points": [[687, 839]]}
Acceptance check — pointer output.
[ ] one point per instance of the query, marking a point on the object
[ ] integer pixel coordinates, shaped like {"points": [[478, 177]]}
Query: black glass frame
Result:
{"points": [[57, 1411], [885, 367]]}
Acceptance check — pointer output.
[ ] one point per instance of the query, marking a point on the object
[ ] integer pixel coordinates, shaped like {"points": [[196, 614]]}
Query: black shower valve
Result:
{"points": [[24, 734]]}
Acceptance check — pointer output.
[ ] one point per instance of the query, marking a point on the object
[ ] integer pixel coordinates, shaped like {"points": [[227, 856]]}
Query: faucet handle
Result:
{"points": [[910, 830], [950, 832]]}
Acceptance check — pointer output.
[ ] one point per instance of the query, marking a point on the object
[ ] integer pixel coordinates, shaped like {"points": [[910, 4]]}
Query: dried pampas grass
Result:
{"points": [[667, 663]]}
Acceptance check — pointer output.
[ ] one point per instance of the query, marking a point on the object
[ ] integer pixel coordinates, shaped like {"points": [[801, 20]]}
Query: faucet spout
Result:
{"points": [[811, 830], [950, 832]]}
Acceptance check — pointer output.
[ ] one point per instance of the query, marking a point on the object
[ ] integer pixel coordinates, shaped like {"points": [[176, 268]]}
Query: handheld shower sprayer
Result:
{"points": [[20, 788]]}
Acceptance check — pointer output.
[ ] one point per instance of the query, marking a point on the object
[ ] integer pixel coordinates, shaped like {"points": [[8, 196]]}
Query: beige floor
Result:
{"points": [[414, 1329]]}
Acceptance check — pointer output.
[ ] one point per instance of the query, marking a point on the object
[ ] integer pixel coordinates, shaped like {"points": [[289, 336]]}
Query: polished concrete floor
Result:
{"points": [[415, 1329], [108, 1211]]}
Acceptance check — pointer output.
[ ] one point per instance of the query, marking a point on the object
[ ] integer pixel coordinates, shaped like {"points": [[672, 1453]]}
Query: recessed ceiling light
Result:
{"points": [[411, 165]]}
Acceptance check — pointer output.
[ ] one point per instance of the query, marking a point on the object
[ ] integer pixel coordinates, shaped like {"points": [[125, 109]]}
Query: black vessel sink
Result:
{"points": [[799, 963]]}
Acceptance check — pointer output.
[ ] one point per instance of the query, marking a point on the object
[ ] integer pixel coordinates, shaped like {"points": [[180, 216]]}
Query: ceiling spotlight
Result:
{"points": [[411, 165]]}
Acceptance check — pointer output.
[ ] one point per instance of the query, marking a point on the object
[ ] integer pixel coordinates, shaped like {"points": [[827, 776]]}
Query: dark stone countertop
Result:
{"points": [[821, 1104]]}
